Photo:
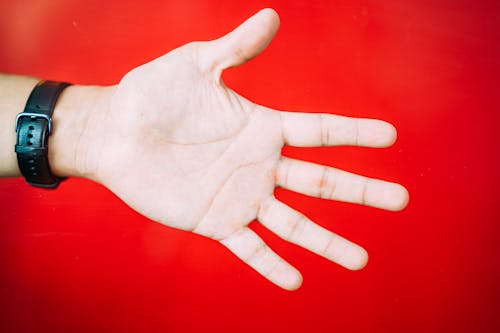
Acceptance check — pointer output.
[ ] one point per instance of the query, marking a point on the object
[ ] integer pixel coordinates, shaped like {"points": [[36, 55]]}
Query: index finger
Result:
{"points": [[321, 129]]}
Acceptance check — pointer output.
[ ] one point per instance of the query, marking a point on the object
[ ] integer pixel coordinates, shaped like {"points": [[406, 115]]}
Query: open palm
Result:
{"points": [[190, 153]]}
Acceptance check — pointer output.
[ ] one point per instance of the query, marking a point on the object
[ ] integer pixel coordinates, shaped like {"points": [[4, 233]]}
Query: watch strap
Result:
{"points": [[33, 127]]}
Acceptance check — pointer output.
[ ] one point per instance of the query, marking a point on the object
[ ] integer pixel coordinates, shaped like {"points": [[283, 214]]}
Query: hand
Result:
{"points": [[183, 149]]}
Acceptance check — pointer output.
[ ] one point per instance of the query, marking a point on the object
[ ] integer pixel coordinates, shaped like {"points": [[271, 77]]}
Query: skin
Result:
{"points": [[181, 148]]}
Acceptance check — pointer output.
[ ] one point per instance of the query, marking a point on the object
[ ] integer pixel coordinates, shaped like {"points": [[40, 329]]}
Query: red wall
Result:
{"points": [[78, 260]]}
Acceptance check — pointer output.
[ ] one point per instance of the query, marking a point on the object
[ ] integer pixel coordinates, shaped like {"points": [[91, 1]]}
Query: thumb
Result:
{"points": [[245, 42]]}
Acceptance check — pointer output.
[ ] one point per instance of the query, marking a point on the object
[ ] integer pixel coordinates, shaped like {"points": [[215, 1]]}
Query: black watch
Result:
{"points": [[33, 127]]}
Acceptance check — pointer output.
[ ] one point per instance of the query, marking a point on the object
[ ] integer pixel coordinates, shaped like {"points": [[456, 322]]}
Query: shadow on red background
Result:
{"points": [[78, 260]]}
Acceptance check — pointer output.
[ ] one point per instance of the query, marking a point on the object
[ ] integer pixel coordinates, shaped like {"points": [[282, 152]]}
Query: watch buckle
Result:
{"points": [[34, 116]]}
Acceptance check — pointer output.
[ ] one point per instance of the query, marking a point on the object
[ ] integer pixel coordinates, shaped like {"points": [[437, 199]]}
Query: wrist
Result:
{"points": [[74, 142]]}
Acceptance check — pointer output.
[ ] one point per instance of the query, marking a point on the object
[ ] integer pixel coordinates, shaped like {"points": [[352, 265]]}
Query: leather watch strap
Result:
{"points": [[33, 127]]}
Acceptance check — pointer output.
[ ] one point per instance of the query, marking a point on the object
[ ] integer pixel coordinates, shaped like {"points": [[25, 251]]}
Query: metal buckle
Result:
{"points": [[34, 115]]}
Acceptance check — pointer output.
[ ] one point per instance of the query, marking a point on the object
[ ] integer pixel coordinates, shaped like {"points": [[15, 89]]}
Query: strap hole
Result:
{"points": [[30, 135], [37, 106], [31, 161], [35, 174], [29, 143], [32, 168], [31, 127]]}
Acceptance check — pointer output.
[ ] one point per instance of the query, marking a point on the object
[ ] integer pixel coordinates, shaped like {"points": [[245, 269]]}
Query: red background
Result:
{"points": [[78, 260]]}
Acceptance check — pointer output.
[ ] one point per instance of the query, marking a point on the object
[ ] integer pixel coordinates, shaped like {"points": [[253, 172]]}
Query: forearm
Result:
{"points": [[72, 121], [14, 92]]}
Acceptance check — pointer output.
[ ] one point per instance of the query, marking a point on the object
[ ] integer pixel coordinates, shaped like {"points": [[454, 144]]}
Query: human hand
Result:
{"points": [[183, 149]]}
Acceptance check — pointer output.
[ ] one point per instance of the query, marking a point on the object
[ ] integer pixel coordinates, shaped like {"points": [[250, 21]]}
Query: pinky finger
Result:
{"points": [[250, 248]]}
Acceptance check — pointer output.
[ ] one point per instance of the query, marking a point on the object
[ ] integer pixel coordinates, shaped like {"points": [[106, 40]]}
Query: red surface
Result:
{"points": [[79, 260]]}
